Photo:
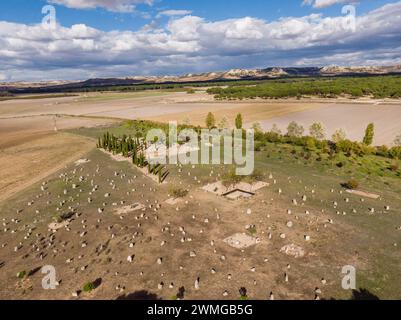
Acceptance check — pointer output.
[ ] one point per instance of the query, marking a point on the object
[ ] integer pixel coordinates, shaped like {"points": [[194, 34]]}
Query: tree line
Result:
{"points": [[375, 87]]}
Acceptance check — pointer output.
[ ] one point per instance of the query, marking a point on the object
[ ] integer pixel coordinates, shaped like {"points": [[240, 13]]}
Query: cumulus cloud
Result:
{"points": [[325, 3], [111, 5], [194, 44], [173, 13]]}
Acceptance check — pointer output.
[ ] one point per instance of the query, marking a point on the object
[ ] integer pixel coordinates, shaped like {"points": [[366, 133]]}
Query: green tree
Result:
{"points": [[210, 121], [316, 130], [369, 134], [238, 121], [295, 130], [339, 135]]}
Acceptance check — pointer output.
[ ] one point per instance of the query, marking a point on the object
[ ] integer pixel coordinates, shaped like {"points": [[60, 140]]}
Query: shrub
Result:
{"points": [[89, 287], [259, 145], [395, 152], [178, 192], [345, 146], [310, 144], [382, 151], [351, 184]]}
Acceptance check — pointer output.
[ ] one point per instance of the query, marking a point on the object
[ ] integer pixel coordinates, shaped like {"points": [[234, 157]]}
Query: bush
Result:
{"points": [[310, 144], [178, 192], [259, 145], [395, 152], [345, 146], [89, 287], [351, 184], [382, 151]]}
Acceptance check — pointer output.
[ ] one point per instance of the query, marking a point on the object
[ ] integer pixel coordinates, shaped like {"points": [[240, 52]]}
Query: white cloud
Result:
{"points": [[325, 3], [173, 13], [193, 44], [111, 5]]}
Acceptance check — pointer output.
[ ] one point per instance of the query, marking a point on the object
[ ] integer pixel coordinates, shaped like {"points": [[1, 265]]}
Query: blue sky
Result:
{"points": [[142, 37], [29, 11]]}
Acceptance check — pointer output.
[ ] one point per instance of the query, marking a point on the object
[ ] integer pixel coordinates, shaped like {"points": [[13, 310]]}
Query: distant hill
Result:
{"points": [[231, 75]]}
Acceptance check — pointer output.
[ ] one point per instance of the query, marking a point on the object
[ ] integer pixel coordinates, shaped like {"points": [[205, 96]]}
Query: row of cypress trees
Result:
{"points": [[134, 148]]}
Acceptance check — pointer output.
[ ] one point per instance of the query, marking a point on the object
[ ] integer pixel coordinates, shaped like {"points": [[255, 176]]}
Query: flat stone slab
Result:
{"points": [[81, 161], [363, 194], [173, 201], [218, 188], [293, 250], [129, 209], [241, 241], [237, 194], [56, 226]]}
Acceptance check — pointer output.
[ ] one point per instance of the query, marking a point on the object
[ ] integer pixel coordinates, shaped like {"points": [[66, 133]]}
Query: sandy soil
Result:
{"points": [[27, 163]]}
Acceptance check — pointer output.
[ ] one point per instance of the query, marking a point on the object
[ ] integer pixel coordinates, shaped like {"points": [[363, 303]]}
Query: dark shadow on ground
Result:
{"points": [[362, 294], [139, 295]]}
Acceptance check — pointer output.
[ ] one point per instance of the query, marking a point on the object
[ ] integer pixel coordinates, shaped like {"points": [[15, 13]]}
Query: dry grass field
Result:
{"points": [[26, 163]]}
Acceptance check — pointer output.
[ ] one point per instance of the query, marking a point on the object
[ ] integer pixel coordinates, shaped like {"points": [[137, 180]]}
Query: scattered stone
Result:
{"points": [[293, 250]]}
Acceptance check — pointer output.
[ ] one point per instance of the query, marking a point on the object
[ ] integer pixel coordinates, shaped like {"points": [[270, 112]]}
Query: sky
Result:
{"points": [[81, 39]]}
